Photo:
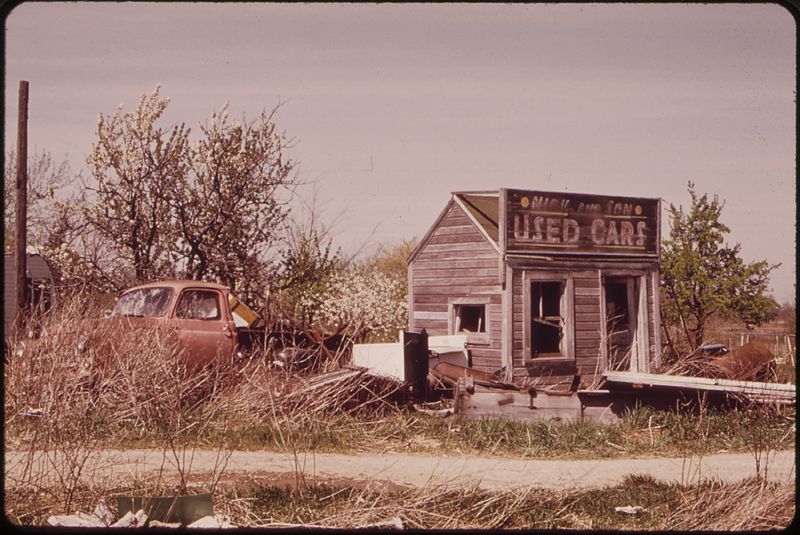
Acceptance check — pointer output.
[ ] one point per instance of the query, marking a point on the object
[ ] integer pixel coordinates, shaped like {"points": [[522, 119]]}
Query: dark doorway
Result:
{"points": [[619, 332]]}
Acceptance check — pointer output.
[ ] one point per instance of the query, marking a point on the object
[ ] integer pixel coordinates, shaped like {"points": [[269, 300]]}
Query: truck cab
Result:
{"points": [[199, 312]]}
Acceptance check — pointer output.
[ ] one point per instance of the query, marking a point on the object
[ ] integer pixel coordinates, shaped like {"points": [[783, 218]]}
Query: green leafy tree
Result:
{"points": [[703, 277]]}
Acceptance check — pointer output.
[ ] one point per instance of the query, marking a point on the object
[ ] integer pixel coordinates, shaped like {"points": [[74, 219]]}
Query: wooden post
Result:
{"points": [[22, 200]]}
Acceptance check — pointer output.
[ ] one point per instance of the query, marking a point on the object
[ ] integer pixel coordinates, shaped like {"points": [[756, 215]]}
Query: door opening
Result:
{"points": [[620, 308]]}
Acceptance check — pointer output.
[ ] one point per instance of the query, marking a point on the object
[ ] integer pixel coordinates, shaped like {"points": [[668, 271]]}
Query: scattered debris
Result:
{"points": [[131, 520], [450, 373], [211, 522], [645, 382], [78, 520], [392, 523], [33, 413], [630, 509], [167, 525], [751, 361], [101, 518], [102, 512]]}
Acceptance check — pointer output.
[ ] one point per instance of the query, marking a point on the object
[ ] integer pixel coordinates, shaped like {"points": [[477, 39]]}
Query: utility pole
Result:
{"points": [[22, 202]]}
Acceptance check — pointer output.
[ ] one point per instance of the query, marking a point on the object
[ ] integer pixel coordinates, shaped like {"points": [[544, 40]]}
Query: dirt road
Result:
{"points": [[421, 470]]}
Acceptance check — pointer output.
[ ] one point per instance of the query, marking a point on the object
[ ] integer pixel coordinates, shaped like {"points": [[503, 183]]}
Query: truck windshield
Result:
{"points": [[149, 302]]}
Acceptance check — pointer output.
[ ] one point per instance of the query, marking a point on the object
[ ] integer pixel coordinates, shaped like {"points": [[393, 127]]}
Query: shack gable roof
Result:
{"points": [[480, 207], [484, 208]]}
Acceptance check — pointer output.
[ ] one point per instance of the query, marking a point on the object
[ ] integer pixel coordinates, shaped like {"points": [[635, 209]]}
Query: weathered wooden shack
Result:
{"points": [[545, 285]]}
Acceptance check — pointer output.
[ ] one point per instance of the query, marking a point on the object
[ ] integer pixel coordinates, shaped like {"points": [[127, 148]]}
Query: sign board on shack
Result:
{"points": [[574, 223]]}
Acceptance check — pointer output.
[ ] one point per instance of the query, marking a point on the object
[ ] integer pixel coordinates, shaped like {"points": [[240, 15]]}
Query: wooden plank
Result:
{"points": [[587, 352], [587, 292], [507, 324], [429, 299], [422, 315], [458, 263], [439, 297], [447, 272], [430, 325], [410, 296], [453, 281], [431, 307], [587, 335], [453, 230], [456, 290], [777, 391], [592, 300], [490, 364], [456, 218], [439, 239], [460, 247], [454, 256]]}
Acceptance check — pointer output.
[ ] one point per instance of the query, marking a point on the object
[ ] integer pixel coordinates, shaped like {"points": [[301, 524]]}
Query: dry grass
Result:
{"points": [[749, 505]]}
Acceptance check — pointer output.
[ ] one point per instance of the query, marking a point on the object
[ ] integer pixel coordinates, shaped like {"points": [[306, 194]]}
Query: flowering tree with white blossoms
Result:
{"points": [[167, 206], [133, 164], [230, 206], [56, 229], [370, 303]]}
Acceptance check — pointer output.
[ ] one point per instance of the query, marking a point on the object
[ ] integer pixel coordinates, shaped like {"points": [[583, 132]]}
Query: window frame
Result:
{"points": [[220, 317], [454, 305], [128, 294], [567, 309]]}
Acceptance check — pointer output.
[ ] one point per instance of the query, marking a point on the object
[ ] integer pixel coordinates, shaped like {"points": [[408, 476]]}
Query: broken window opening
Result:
{"points": [[470, 318], [547, 319]]}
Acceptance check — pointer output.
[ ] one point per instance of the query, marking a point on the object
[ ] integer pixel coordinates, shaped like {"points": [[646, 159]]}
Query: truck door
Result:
{"points": [[205, 328]]}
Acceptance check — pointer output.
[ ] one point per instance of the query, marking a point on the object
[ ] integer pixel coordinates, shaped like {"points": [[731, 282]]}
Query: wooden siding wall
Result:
{"points": [[457, 263]]}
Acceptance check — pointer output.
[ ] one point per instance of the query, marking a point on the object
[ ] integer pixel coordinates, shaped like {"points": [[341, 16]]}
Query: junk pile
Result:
{"points": [[307, 350], [267, 394], [751, 362], [712, 374], [153, 514]]}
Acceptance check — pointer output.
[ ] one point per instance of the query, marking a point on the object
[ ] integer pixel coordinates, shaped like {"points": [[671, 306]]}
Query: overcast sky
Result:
{"points": [[395, 106]]}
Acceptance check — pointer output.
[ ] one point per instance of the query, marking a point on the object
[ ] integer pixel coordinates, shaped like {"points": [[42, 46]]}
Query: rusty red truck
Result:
{"points": [[210, 323]]}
